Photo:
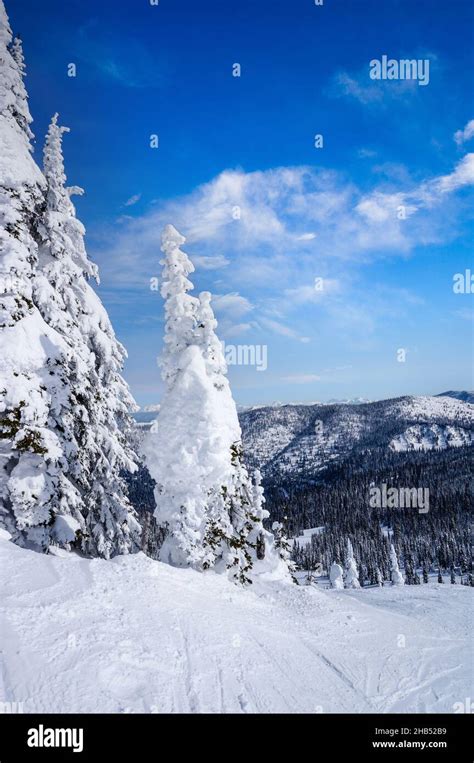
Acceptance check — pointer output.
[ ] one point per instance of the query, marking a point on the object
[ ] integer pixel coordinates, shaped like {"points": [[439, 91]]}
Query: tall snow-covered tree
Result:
{"points": [[351, 578], [395, 574], [211, 509], [335, 576], [378, 577], [59, 454], [95, 418], [180, 307], [174, 448], [283, 549], [251, 546], [32, 353]]}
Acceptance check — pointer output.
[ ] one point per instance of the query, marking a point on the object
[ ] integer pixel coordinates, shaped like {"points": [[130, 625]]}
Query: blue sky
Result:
{"points": [[382, 213]]}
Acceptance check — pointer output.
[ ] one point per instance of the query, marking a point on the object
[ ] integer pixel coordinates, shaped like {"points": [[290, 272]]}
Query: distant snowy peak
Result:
{"points": [[332, 401], [350, 401]]}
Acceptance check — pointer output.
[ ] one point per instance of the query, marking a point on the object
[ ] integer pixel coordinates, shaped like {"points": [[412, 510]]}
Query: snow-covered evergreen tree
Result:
{"points": [[178, 464], [211, 509], [95, 418], [378, 577], [335, 576], [32, 354], [395, 574], [351, 577], [180, 307], [282, 546], [425, 571], [60, 454], [249, 543], [258, 536]]}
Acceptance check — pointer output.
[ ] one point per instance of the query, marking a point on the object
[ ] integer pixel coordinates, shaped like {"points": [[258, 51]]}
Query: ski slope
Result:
{"points": [[134, 635]]}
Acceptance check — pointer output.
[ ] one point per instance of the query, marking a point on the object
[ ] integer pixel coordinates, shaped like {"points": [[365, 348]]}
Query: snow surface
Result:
{"points": [[135, 635]]}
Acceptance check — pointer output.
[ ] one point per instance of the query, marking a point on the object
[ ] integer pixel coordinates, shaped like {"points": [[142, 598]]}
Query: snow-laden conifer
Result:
{"points": [[251, 548], [336, 576], [395, 574], [212, 511], [95, 418], [351, 576], [63, 405], [32, 353]]}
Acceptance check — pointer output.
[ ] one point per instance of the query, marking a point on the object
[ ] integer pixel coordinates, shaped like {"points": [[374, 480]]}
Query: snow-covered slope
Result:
{"points": [[432, 436], [299, 441], [467, 396], [134, 635]]}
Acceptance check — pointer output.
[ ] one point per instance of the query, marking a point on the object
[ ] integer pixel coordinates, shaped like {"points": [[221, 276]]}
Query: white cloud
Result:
{"points": [[227, 330], [214, 262], [381, 207], [388, 211], [462, 175], [301, 379], [369, 92], [133, 200], [231, 305], [461, 136], [265, 249], [308, 293], [306, 237], [465, 314], [361, 87], [277, 327]]}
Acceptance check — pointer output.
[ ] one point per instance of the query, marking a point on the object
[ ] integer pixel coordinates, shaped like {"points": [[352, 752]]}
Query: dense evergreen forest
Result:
{"points": [[436, 541]]}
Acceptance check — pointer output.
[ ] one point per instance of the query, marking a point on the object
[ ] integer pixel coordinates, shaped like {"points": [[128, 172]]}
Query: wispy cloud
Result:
{"points": [[101, 52], [359, 87], [133, 200], [461, 136], [301, 379], [465, 314], [215, 262], [262, 219], [282, 329], [380, 207], [232, 305], [312, 293], [282, 229]]}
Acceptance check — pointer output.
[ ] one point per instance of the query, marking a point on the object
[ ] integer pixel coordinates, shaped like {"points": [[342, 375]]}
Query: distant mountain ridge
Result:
{"points": [[464, 395], [297, 442]]}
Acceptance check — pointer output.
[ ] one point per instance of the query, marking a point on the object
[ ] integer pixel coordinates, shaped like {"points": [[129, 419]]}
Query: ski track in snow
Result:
{"points": [[134, 635]]}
